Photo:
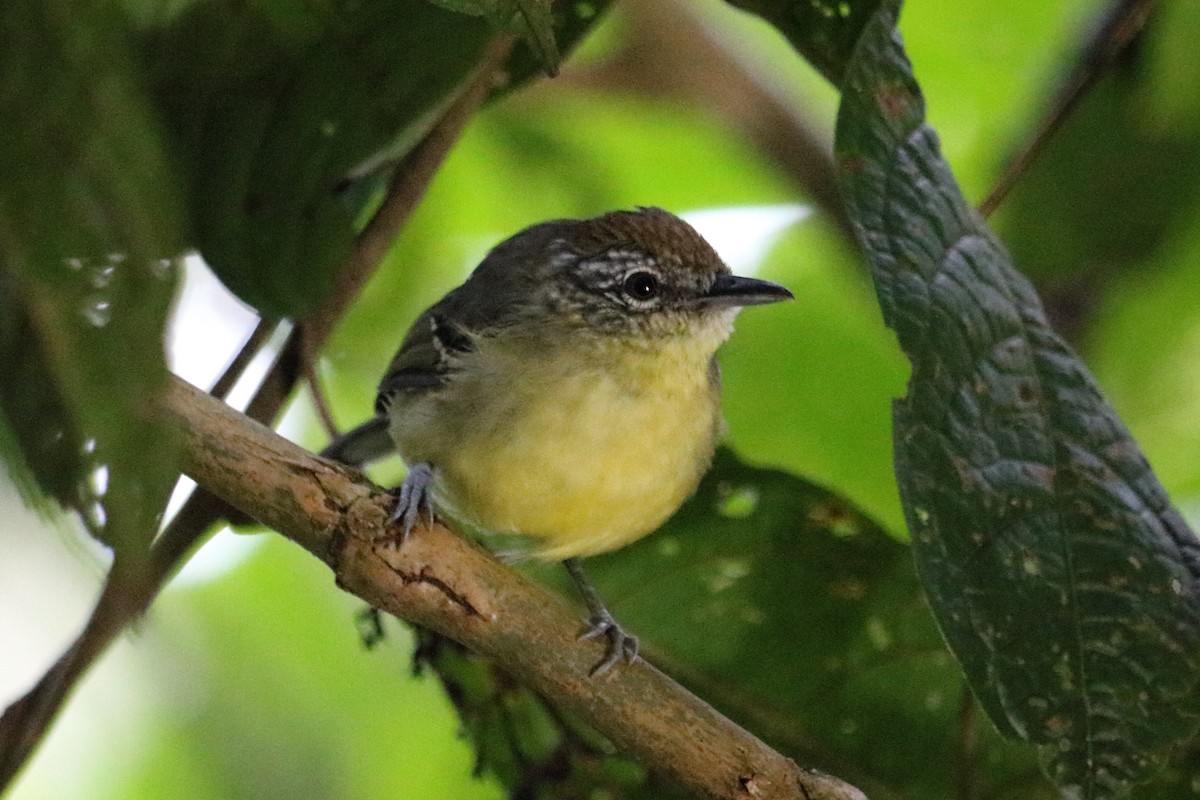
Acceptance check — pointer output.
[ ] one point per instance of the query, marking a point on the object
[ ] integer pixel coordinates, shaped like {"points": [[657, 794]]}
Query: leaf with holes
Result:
{"points": [[1062, 577]]}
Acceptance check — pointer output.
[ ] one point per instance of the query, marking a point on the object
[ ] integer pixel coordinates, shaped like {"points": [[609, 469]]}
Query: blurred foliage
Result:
{"points": [[254, 684]]}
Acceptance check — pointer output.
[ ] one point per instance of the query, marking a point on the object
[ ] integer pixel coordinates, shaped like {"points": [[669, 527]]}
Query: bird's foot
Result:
{"points": [[621, 645], [414, 496]]}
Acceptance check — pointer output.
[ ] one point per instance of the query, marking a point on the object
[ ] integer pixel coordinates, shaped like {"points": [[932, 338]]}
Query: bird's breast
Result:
{"points": [[586, 449]]}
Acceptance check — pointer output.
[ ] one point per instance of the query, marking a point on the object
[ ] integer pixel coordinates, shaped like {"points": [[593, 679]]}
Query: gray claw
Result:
{"points": [[621, 645], [416, 495]]}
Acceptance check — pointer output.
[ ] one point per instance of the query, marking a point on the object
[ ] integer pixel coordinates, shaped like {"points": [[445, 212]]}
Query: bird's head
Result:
{"points": [[643, 275]]}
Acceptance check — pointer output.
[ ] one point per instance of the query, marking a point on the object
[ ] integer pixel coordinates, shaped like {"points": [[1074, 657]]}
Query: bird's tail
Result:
{"points": [[368, 442]]}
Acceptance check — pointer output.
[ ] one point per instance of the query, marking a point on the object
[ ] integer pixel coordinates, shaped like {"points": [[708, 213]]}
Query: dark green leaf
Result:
{"points": [[275, 116], [824, 31], [88, 225], [1060, 574], [285, 123]]}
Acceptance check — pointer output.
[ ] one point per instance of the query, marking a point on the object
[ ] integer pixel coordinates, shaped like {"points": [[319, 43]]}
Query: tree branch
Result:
{"points": [[1120, 25], [456, 588]]}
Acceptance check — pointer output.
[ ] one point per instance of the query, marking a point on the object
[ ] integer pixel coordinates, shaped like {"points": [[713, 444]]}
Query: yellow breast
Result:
{"points": [[591, 448]]}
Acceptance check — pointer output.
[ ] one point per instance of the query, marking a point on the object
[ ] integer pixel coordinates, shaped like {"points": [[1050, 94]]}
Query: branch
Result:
{"points": [[1120, 26], [456, 588]]}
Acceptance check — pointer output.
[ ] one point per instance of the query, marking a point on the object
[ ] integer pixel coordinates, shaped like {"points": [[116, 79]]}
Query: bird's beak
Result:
{"points": [[733, 291]]}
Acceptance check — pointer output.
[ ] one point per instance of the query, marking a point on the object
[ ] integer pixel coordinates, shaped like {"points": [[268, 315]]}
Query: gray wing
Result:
{"points": [[427, 357], [435, 344], [497, 295]]}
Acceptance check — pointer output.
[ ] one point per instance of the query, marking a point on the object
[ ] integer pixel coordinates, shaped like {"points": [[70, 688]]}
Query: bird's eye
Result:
{"points": [[641, 285]]}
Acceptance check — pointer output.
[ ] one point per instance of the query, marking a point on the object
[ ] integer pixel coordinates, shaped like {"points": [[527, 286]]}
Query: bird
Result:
{"points": [[568, 391]]}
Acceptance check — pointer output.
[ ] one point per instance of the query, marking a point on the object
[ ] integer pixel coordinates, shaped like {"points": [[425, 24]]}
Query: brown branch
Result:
{"points": [[1118, 28], [126, 596], [250, 348], [308, 365], [452, 586]]}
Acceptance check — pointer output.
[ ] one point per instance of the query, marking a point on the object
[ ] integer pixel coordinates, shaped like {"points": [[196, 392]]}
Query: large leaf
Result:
{"points": [[273, 112], [286, 120], [1060, 574], [88, 223]]}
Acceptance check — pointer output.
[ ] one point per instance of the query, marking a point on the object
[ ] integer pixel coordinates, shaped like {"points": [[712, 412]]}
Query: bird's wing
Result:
{"points": [[495, 297], [429, 353]]}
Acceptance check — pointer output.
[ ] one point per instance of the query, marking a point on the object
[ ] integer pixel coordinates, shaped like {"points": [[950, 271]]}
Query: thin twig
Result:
{"points": [[316, 390], [1118, 28], [250, 348], [25, 722]]}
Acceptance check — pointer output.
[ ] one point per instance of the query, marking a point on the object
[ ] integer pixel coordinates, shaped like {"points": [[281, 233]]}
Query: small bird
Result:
{"points": [[567, 391]]}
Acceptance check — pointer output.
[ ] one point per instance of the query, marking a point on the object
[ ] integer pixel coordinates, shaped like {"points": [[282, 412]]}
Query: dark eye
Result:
{"points": [[641, 285]]}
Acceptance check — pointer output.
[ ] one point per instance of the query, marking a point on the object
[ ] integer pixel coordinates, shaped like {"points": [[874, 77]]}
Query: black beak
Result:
{"points": [[730, 291]]}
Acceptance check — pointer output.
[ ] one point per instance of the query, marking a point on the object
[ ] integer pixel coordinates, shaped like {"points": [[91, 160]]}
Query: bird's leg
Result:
{"points": [[415, 496], [621, 645]]}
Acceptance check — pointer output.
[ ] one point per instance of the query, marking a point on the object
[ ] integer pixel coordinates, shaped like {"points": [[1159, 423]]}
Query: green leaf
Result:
{"points": [[285, 120], [89, 221], [824, 31], [274, 115], [1060, 574]]}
